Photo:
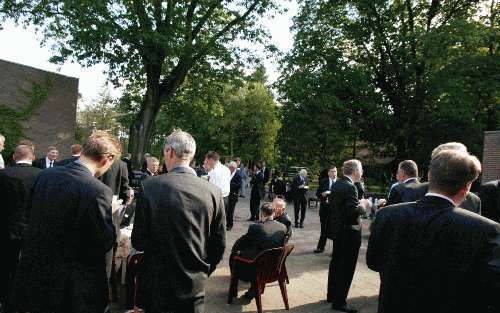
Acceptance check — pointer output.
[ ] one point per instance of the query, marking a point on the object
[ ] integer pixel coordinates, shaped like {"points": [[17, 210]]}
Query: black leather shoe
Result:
{"points": [[250, 294], [296, 225], [344, 308], [250, 219], [301, 225], [228, 228], [319, 250]]}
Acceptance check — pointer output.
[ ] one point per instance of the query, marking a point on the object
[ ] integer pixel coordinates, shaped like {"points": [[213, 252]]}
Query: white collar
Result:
{"points": [[24, 162], [407, 180], [350, 178], [433, 194], [79, 161]]}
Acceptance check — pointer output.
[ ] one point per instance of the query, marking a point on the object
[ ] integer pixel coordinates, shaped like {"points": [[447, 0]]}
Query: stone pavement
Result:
{"points": [[308, 273]]}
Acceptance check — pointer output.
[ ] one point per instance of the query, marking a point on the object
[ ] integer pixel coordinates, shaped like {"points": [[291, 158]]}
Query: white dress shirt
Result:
{"points": [[220, 176], [47, 162], [432, 194], [2, 163]]}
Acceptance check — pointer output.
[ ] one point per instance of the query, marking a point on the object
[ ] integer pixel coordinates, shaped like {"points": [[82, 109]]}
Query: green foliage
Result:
{"points": [[100, 115], [11, 123], [403, 76]]}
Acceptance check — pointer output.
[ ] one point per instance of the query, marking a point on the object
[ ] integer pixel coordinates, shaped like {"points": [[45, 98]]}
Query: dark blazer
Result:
{"points": [[471, 203], [235, 186], [62, 263], [180, 225], [257, 183], [267, 174], [345, 210], [406, 192], [285, 220], [433, 257], [27, 175], [296, 191], [40, 163], [13, 221], [129, 168], [116, 178], [260, 237], [324, 185], [67, 161], [490, 200]]}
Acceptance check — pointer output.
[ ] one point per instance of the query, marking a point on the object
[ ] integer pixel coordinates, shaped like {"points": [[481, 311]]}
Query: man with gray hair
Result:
{"points": [[432, 255], [234, 191], [471, 202], [179, 224], [300, 186]]}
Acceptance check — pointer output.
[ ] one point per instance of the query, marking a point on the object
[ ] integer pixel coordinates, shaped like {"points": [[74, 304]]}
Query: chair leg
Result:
{"points": [[233, 289], [284, 293], [258, 297]]}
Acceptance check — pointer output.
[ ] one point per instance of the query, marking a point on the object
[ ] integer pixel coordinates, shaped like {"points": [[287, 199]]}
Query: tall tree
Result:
{"points": [[152, 44]]}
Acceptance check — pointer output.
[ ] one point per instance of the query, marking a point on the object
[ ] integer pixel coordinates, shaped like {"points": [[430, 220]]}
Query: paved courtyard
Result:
{"points": [[308, 273]]}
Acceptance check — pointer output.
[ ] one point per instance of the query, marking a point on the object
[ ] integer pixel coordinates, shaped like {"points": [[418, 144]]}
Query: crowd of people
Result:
{"points": [[436, 245]]}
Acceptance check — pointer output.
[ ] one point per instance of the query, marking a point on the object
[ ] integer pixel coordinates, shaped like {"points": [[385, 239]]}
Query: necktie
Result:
{"points": [[50, 164]]}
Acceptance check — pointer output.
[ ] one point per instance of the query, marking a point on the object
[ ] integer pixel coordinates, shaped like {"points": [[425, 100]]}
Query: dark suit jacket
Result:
{"points": [[285, 220], [299, 192], [116, 178], [260, 237], [324, 185], [62, 264], [179, 224], [235, 186], [433, 257], [406, 192], [129, 168], [471, 203], [40, 163], [67, 161], [345, 210], [13, 221], [267, 174], [257, 183], [27, 175], [490, 200]]}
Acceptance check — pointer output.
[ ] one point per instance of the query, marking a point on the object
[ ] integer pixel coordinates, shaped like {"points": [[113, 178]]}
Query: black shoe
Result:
{"points": [[250, 294], [228, 228], [250, 219], [296, 225], [344, 308], [242, 196], [301, 225], [319, 250]]}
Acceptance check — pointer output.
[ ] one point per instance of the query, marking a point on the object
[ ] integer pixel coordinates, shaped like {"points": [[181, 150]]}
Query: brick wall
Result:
{"points": [[491, 156], [53, 124]]}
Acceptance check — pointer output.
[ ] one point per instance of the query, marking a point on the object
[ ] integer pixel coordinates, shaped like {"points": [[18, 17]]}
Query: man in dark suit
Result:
{"points": [[50, 160], [432, 255], [408, 185], [281, 216], [179, 224], [153, 164], [127, 158], [490, 200], [470, 203], [76, 151], [323, 192], [257, 192], [266, 171], [62, 262], [145, 162], [12, 227], [344, 228], [300, 186], [266, 234], [234, 191]]}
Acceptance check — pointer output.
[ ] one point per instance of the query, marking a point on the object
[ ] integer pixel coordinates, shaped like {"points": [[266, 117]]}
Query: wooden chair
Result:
{"points": [[269, 267]]}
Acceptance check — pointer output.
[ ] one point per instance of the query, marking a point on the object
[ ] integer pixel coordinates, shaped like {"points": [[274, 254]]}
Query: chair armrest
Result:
{"points": [[243, 260]]}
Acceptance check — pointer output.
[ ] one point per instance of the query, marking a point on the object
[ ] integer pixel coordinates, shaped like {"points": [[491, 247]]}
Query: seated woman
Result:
{"points": [[262, 235]]}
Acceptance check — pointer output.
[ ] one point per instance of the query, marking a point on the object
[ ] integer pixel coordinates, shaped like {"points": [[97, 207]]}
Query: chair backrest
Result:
{"points": [[269, 263]]}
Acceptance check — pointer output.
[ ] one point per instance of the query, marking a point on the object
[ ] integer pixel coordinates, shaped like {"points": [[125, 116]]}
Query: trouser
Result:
{"points": [[343, 265], [254, 207], [193, 305], [230, 211], [323, 215], [300, 205], [7, 272], [243, 186]]}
